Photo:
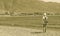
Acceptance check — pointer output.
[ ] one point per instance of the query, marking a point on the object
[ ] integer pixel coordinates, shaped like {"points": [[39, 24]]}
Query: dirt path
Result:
{"points": [[18, 31]]}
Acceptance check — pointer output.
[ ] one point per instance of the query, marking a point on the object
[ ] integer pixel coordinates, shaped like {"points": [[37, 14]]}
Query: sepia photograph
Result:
{"points": [[29, 17]]}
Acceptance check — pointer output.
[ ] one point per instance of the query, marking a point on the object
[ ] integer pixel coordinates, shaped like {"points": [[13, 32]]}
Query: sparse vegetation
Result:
{"points": [[29, 7]]}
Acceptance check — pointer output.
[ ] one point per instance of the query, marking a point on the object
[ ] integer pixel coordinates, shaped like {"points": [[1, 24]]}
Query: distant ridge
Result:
{"points": [[28, 6]]}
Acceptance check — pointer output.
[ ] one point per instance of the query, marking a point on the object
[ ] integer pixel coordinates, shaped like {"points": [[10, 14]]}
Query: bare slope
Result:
{"points": [[29, 6]]}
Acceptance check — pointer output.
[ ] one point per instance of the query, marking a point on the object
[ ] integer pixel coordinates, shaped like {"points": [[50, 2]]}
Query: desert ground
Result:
{"points": [[29, 26], [23, 25], [20, 31]]}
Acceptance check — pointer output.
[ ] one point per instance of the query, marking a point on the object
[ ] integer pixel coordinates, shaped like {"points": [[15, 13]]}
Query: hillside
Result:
{"points": [[29, 6]]}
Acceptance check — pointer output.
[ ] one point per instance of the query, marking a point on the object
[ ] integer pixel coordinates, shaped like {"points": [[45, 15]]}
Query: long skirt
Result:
{"points": [[45, 26]]}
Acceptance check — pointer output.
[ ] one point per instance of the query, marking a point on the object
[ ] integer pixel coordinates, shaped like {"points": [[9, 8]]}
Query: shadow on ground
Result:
{"points": [[36, 32]]}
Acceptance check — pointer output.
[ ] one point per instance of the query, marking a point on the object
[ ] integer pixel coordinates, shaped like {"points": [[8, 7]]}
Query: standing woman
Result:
{"points": [[45, 22]]}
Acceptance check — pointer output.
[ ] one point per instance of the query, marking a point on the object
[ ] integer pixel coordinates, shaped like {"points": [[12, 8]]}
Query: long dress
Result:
{"points": [[45, 23]]}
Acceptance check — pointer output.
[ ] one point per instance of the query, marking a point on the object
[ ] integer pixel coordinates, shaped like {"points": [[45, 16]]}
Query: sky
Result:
{"points": [[57, 1]]}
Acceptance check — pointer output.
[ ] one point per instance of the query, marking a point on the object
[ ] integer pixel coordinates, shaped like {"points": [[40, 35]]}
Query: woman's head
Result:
{"points": [[45, 14]]}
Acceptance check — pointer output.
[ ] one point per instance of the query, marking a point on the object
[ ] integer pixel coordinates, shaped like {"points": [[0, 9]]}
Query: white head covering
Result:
{"points": [[45, 14]]}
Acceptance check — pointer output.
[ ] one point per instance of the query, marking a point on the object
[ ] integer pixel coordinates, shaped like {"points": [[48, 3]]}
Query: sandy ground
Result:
{"points": [[19, 31]]}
